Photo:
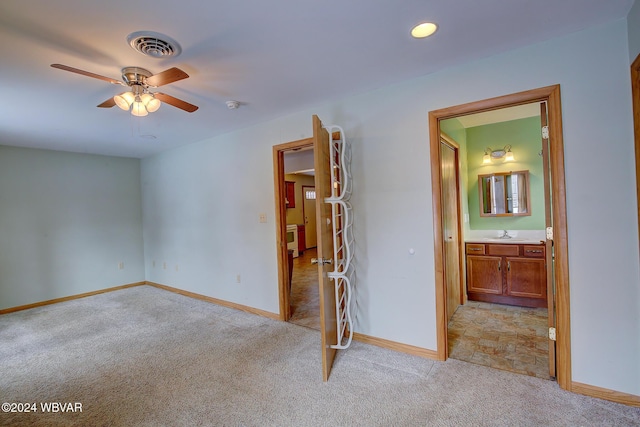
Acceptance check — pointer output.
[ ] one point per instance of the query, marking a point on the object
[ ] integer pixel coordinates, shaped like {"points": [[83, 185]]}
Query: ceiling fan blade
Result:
{"points": [[165, 77], [87, 73], [108, 103], [178, 103]]}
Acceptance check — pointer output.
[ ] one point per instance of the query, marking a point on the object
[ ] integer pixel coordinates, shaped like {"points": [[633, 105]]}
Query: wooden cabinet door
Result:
{"points": [[526, 278], [484, 274], [290, 192]]}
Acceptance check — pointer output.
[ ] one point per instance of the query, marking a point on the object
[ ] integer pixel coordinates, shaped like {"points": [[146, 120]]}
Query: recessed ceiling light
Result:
{"points": [[423, 30]]}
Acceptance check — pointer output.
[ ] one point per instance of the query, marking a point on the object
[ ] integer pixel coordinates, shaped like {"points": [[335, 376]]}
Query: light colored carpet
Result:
{"points": [[147, 357]]}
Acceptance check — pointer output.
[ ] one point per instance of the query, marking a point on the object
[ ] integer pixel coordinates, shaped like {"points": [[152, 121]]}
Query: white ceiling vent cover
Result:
{"points": [[153, 44]]}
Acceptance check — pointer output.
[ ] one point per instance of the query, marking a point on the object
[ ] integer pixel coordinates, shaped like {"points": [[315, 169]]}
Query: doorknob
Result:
{"points": [[321, 261]]}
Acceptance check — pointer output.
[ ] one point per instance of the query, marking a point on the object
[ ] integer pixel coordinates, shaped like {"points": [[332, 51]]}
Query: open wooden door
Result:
{"points": [[451, 225], [328, 319], [548, 220]]}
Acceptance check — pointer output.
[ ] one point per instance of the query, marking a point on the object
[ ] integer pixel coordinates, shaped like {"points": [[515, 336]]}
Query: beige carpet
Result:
{"points": [[147, 357]]}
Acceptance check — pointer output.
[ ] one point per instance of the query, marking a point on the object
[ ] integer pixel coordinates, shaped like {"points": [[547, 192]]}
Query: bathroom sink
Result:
{"points": [[509, 240]]}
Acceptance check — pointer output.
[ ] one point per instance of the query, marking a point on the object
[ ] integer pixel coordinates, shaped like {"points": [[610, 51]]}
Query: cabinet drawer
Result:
{"points": [[503, 250], [475, 249], [534, 251]]}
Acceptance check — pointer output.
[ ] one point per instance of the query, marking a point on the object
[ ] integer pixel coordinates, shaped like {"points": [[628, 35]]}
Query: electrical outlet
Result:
{"points": [[154, 263], [164, 265], [263, 217], [121, 265], [177, 269], [238, 278]]}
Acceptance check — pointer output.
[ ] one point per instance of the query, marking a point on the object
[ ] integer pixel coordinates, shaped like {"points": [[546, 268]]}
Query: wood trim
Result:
{"points": [[216, 301], [560, 239], [68, 298], [396, 346], [511, 100], [548, 222], [635, 91], [606, 394], [280, 220], [551, 94], [436, 203], [281, 232]]}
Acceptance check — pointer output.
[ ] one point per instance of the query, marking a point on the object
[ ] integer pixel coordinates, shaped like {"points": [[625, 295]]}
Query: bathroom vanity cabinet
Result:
{"points": [[513, 274]]}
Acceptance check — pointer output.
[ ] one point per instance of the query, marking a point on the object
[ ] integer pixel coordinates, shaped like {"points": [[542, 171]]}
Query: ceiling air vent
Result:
{"points": [[153, 44]]}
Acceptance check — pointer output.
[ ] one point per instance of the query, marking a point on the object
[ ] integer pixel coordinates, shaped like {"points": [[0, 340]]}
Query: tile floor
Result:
{"points": [[501, 336], [305, 296]]}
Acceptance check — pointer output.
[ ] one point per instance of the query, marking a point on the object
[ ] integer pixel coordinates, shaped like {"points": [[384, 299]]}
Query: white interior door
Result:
{"points": [[309, 211]]}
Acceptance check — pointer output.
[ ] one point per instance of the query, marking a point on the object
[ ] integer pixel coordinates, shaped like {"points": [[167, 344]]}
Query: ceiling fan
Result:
{"points": [[140, 100]]}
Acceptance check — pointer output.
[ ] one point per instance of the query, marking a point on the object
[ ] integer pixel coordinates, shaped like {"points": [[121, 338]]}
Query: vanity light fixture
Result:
{"points": [[423, 30], [490, 154]]}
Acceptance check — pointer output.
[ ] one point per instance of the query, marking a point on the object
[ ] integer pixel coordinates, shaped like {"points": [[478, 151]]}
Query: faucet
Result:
{"points": [[505, 235]]}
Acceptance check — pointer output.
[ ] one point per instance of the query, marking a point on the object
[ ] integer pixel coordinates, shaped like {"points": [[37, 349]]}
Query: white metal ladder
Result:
{"points": [[343, 273]]}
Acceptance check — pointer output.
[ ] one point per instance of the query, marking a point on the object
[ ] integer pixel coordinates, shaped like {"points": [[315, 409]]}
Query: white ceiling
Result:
{"points": [[275, 57], [500, 115]]}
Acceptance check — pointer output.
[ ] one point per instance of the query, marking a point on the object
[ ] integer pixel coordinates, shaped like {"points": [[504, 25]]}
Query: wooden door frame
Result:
{"points": [[550, 94], [280, 220], [635, 91]]}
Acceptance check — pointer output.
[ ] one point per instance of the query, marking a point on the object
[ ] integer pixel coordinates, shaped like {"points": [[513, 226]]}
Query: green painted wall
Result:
{"points": [[454, 129], [524, 137]]}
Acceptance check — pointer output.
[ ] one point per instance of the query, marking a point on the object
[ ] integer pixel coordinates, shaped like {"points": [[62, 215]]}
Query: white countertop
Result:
{"points": [[512, 241], [527, 237]]}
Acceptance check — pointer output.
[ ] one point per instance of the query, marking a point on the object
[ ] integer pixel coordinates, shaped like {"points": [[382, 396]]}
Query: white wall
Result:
{"points": [[66, 222], [201, 213], [201, 202]]}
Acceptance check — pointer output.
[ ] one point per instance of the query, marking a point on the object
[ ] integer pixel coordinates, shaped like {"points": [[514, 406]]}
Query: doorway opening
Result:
{"points": [[551, 253], [496, 327], [330, 167], [296, 214]]}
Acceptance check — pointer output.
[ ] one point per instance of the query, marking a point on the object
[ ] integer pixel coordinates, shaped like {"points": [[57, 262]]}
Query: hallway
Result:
{"points": [[305, 297]]}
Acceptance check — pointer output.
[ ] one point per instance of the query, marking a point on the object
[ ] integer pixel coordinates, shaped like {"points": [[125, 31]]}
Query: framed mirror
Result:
{"points": [[504, 194]]}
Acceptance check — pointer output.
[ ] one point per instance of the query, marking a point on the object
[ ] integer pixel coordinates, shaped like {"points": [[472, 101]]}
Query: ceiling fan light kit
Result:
{"points": [[139, 101]]}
